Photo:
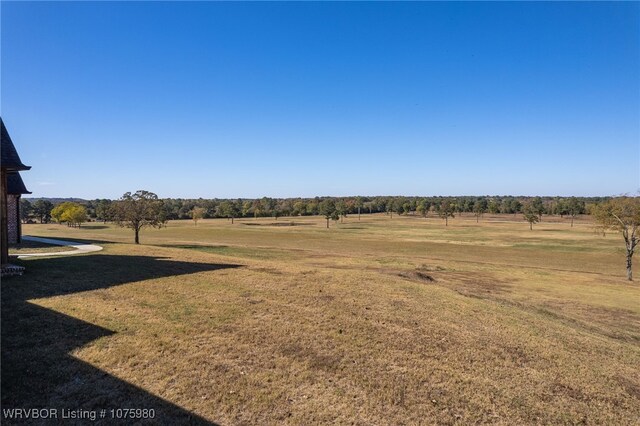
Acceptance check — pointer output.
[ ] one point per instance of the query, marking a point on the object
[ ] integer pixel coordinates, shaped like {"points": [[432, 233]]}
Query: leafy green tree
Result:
{"points": [[103, 210], [398, 206], [561, 207], [73, 214], [58, 212], [139, 210], [622, 214], [601, 217], [516, 206], [423, 207], [313, 207], [493, 207], [285, 207], [538, 206], [369, 206], [341, 209], [228, 210], [42, 210], [359, 204], [468, 205], [267, 207], [389, 207], [327, 208], [505, 206], [299, 208], [246, 208], [25, 210], [258, 208], [446, 210], [479, 208], [574, 207], [531, 214]]}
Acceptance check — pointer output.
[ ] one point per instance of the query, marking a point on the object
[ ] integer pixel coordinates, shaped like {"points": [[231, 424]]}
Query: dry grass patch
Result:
{"points": [[303, 325]]}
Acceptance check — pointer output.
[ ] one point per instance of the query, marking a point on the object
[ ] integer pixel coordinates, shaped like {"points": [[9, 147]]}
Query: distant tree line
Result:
{"points": [[178, 208], [144, 209]]}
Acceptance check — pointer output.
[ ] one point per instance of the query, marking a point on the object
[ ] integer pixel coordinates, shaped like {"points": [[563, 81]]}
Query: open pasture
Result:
{"points": [[377, 321]]}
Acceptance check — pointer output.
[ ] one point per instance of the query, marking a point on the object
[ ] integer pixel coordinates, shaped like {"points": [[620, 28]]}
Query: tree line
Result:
{"points": [[144, 209], [176, 208]]}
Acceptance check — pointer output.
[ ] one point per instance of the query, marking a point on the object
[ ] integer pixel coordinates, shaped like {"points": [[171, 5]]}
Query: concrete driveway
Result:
{"points": [[80, 248]]}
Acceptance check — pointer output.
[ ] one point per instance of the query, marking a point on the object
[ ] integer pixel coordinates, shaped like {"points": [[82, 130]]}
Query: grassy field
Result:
{"points": [[377, 321]]}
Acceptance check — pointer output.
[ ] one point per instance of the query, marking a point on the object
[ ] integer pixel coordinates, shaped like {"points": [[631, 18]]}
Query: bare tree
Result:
{"points": [[622, 214], [197, 213]]}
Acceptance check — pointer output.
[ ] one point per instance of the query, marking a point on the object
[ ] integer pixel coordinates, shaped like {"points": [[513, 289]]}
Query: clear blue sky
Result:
{"points": [[304, 99]]}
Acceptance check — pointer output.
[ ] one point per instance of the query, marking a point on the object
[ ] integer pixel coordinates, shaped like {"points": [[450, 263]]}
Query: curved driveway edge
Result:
{"points": [[80, 248]]}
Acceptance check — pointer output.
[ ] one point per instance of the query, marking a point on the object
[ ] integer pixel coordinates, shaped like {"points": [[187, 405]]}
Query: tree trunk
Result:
{"points": [[530, 226], [137, 240], [327, 223], [446, 221], [629, 271], [358, 213], [572, 221], [477, 218], [232, 220]]}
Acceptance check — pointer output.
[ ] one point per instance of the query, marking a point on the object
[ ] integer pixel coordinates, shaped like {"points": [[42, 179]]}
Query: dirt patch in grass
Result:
{"points": [[476, 284], [417, 276], [272, 271]]}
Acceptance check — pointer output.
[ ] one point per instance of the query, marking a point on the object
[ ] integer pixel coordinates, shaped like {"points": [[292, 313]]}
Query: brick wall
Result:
{"points": [[13, 218]]}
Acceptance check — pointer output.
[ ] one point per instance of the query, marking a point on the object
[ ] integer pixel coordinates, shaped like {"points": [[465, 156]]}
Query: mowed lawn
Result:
{"points": [[377, 321]]}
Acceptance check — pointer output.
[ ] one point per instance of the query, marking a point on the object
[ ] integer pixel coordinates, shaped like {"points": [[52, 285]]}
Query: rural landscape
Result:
{"points": [[308, 213], [286, 321]]}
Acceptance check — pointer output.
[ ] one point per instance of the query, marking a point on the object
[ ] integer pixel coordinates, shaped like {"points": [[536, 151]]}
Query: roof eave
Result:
{"points": [[19, 168]]}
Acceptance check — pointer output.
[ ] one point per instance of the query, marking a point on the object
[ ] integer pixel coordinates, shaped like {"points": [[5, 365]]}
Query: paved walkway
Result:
{"points": [[80, 248]]}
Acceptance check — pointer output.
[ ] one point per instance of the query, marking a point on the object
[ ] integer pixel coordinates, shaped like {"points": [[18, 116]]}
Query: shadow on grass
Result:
{"points": [[37, 368], [87, 226], [80, 240]]}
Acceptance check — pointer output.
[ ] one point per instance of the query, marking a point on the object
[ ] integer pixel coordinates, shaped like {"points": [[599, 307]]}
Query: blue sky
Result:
{"points": [[304, 99]]}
